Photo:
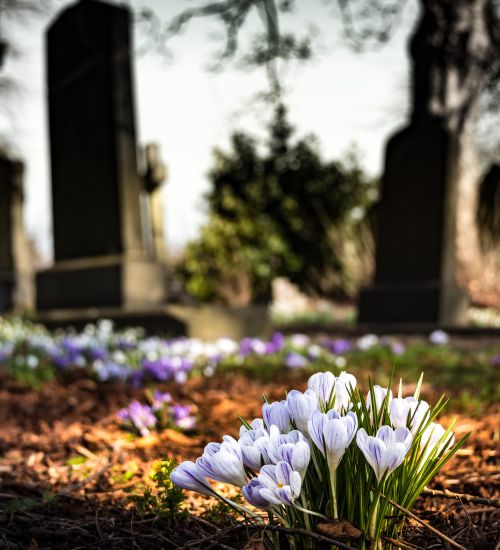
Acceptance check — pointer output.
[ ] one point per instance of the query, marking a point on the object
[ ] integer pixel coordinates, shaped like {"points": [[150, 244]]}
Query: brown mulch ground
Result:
{"points": [[67, 469]]}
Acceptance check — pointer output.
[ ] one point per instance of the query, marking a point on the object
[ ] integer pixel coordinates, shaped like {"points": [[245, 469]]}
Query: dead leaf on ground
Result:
{"points": [[339, 530], [255, 543], [179, 438]]}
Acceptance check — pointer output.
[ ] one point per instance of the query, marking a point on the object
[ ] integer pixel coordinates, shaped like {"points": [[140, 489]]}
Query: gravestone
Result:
{"points": [[426, 234], [100, 255], [16, 270]]}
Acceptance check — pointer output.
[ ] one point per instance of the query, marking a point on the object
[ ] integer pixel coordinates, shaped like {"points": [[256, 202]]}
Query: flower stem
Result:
{"points": [[373, 522], [333, 486], [310, 512]]}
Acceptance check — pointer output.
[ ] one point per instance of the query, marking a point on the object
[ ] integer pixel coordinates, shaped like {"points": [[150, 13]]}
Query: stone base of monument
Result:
{"points": [[153, 320], [428, 304], [112, 281], [204, 322], [210, 322]]}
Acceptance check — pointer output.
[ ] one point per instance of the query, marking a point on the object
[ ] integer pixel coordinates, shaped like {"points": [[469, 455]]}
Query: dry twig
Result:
{"points": [[463, 497]]}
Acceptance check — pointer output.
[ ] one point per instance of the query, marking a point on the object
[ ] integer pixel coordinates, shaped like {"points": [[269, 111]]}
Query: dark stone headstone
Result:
{"points": [[427, 237], [412, 242], [16, 271], [99, 251]]}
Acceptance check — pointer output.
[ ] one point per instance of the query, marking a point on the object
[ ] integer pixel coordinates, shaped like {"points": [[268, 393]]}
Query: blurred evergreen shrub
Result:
{"points": [[285, 212]]}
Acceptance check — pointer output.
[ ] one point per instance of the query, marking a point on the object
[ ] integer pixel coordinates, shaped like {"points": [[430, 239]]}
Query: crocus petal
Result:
{"points": [[285, 494], [268, 474], [277, 413], [398, 412], [386, 434], [271, 496], [253, 494], [301, 406], [344, 385], [188, 476], [403, 435], [315, 426], [295, 484], [283, 472], [336, 441], [228, 468], [301, 456]]}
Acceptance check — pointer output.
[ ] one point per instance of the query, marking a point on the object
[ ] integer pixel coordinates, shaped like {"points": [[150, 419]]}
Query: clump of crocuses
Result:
{"points": [[159, 413], [330, 453]]}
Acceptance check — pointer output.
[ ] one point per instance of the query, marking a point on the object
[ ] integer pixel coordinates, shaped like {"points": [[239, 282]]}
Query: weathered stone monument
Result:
{"points": [[426, 219], [153, 181], [101, 260], [16, 269]]}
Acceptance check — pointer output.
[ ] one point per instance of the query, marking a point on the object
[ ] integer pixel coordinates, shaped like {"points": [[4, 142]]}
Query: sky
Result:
{"points": [[345, 98]]}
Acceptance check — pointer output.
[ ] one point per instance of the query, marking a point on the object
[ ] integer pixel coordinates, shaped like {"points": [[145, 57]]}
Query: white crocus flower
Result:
{"points": [[256, 424], [223, 462], [277, 413], [433, 441], [327, 388], [385, 451], [301, 406], [367, 341], [254, 444], [380, 396], [408, 410], [344, 384], [439, 338], [226, 346], [292, 448], [275, 485], [332, 434], [322, 384], [189, 476]]}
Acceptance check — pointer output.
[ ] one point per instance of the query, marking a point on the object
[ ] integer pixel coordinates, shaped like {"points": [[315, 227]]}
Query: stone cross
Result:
{"points": [[153, 181]]}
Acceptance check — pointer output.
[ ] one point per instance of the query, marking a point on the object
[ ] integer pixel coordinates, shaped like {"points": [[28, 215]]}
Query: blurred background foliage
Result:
{"points": [[282, 212]]}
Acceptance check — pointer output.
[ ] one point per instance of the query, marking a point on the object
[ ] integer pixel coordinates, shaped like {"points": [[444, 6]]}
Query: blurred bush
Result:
{"points": [[285, 212]]}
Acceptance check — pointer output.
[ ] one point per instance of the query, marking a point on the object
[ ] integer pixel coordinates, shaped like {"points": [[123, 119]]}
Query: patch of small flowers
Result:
{"points": [[159, 413], [330, 455], [31, 354]]}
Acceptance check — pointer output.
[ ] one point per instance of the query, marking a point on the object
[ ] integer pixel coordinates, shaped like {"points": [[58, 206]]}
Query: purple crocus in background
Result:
{"points": [[252, 345], [108, 370], [300, 340], [139, 416], [439, 338], [275, 344], [340, 346], [160, 369], [182, 417], [6, 350], [296, 360], [398, 348], [98, 352], [160, 399], [161, 412]]}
